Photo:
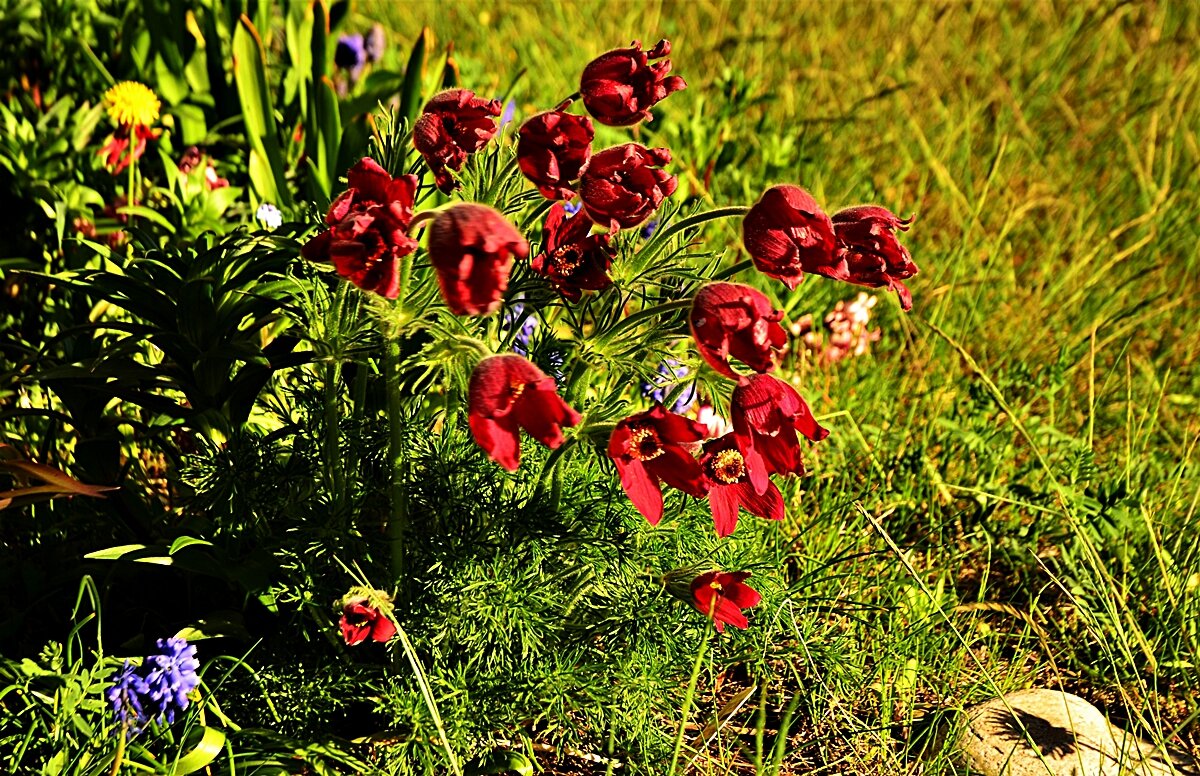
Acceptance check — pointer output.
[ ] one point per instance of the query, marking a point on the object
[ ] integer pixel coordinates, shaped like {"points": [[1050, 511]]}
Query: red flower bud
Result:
{"points": [[367, 231], [453, 125], [766, 414], [571, 258], [787, 234], [552, 149], [730, 486], [729, 319], [623, 185], [649, 449], [722, 595], [508, 393], [868, 251], [471, 247], [365, 615], [620, 87]]}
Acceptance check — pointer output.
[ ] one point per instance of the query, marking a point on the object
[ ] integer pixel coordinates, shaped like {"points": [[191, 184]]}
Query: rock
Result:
{"points": [[1051, 733]]}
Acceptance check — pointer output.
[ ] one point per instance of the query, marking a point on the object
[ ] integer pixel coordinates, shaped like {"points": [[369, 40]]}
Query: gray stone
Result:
{"points": [[1051, 733]]}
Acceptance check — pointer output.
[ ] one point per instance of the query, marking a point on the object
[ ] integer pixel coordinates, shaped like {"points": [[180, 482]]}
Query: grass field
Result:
{"points": [[1009, 496]]}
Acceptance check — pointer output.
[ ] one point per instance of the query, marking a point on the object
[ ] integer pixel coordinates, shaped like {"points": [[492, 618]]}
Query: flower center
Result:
{"points": [[566, 259], [517, 389], [727, 466], [643, 443], [715, 585]]}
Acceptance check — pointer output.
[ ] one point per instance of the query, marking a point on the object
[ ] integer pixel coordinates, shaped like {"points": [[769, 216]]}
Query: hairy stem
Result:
{"points": [[397, 530], [333, 379], [687, 703]]}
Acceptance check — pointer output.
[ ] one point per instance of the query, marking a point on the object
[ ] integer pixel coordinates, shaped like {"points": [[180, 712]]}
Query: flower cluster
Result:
{"points": [[157, 689], [595, 194], [847, 332]]}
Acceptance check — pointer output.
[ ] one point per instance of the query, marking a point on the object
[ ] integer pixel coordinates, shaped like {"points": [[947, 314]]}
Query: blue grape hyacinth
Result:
{"points": [[157, 689]]}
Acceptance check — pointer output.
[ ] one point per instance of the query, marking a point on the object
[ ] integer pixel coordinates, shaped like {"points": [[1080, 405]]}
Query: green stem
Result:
{"points": [[687, 703], [733, 270], [641, 315], [333, 379], [735, 211], [397, 530], [122, 734]]}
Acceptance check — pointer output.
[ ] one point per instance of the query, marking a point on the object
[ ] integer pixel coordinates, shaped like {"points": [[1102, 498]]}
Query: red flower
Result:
{"points": [[623, 185], [571, 258], [360, 621], [787, 234], [766, 414], [507, 393], [118, 151], [367, 231], [453, 125], [722, 595], [552, 149], [868, 250], [729, 319], [648, 450], [727, 473], [471, 246], [620, 87]]}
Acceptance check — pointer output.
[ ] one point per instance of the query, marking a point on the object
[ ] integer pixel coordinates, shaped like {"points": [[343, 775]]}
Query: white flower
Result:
{"points": [[269, 216]]}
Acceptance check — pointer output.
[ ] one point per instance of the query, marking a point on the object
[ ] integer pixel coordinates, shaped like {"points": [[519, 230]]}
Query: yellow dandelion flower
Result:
{"points": [[132, 104]]}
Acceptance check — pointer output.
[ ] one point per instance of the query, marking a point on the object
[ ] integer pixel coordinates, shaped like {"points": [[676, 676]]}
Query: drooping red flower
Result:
{"points": [[623, 185], [571, 258], [362, 620], [126, 144], [767, 413], [552, 149], [730, 319], [472, 248], [508, 393], [727, 473], [367, 232], [648, 449], [868, 250], [722, 595], [454, 124], [620, 86], [787, 234]]}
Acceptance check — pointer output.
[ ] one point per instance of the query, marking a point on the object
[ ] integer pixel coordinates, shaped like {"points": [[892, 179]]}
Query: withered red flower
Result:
{"points": [[472, 247], [368, 229], [868, 250], [454, 124], [730, 319], [727, 473], [767, 413], [722, 595], [571, 258], [552, 149], [508, 393], [648, 449], [126, 144], [360, 621], [619, 87], [787, 234], [623, 185]]}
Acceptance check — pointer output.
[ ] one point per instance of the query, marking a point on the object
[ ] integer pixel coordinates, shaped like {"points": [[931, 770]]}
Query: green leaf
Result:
{"points": [[414, 74], [266, 159], [186, 541], [204, 752]]}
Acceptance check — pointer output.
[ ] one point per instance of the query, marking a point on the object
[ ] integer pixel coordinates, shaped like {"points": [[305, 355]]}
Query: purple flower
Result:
{"points": [[510, 110], [350, 54], [157, 689], [572, 207], [650, 228], [528, 325], [126, 697], [375, 43], [670, 372]]}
